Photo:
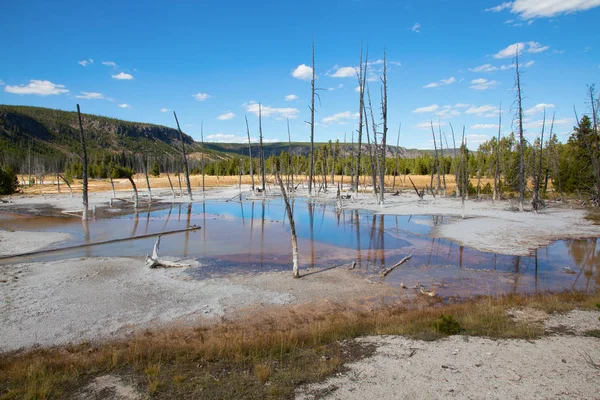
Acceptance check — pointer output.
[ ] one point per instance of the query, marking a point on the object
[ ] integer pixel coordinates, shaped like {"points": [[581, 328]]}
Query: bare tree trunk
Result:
{"points": [[538, 171], [521, 136], [185, 163], [595, 147], [456, 165], [397, 158], [202, 159], [179, 179], [291, 163], [250, 153], [29, 162], [370, 156], [374, 165], [288, 209], [262, 152], [85, 162], [442, 159], [135, 192], [312, 124], [362, 73], [436, 161], [385, 128], [343, 160], [68, 184], [170, 183], [497, 174], [463, 162], [145, 165]]}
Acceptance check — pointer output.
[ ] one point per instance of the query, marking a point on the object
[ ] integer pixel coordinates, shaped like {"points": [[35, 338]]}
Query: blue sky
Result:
{"points": [[212, 61]]}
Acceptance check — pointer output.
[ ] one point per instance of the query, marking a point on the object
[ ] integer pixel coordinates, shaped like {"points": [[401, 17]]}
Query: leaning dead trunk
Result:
{"points": [[288, 208], [85, 161], [135, 192], [67, 182], [185, 164], [170, 183], [145, 163]]}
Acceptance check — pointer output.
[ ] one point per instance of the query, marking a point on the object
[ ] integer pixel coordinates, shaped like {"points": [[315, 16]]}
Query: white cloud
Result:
{"points": [[164, 110], [442, 82], [538, 108], [90, 96], [538, 124], [85, 63], [427, 109], [124, 105], [109, 63], [480, 111], [528, 47], [462, 105], [201, 96], [447, 112], [302, 72], [482, 84], [344, 72], [291, 97], [226, 116], [267, 111], [41, 88], [416, 28], [484, 126], [529, 9], [493, 68], [424, 126], [339, 117], [123, 76], [475, 140], [500, 7]]}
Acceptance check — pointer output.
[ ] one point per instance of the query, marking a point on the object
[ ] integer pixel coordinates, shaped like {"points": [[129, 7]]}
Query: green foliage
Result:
{"points": [[155, 171], [9, 182], [447, 325]]}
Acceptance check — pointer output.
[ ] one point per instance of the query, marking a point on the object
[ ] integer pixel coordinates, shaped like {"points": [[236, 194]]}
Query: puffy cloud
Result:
{"points": [[123, 76], [527, 47], [482, 84], [90, 96], [442, 82], [538, 108], [39, 87], [226, 116], [302, 71], [85, 63], [529, 9], [201, 96], [124, 105], [482, 111], [344, 72], [291, 97], [268, 111], [427, 109], [341, 117]]}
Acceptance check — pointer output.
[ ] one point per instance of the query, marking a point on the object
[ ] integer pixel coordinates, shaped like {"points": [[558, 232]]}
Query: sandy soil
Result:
{"points": [[22, 242]]}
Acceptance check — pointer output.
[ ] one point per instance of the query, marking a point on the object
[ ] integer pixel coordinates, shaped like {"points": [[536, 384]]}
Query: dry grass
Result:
{"points": [[260, 358], [161, 182]]}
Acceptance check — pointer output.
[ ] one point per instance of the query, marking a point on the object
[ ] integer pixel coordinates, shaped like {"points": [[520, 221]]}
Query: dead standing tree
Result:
{"points": [[185, 163], [362, 75], [84, 216], [294, 239], [262, 152], [250, 153], [497, 194], [519, 117], [312, 124], [384, 132], [202, 159]]}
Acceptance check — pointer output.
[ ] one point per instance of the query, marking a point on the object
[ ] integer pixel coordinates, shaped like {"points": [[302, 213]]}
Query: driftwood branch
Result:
{"points": [[387, 271], [155, 262]]}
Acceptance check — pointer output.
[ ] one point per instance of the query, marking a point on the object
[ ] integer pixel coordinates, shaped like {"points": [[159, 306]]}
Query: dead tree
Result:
{"points": [[202, 156], [373, 178], [312, 124], [135, 192], [463, 162], [185, 163], [384, 132], [521, 136], [397, 158], [291, 162], [67, 182], [262, 152], [145, 161], [155, 262], [436, 162], [497, 195], [84, 216], [594, 147], [537, 202], [294, 239], [455, 161], [250, 152], [443, 167], [362, 77]]}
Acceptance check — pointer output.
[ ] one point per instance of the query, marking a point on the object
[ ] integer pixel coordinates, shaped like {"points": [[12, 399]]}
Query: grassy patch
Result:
{"points": [[266, 357]]}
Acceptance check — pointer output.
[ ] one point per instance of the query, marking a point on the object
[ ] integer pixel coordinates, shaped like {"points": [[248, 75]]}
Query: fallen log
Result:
{"points": [[386, 272], [37, 252]]}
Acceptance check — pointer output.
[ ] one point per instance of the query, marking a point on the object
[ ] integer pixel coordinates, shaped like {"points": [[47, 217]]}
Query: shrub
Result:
{"points": [[9, 183], [447, 325]]}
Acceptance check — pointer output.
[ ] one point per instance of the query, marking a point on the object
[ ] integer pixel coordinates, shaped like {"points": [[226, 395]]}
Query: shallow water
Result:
{"points": [[251, 236]]}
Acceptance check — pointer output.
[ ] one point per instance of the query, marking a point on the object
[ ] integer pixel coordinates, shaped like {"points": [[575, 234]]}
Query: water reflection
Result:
{"points": [[227, 243]]}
